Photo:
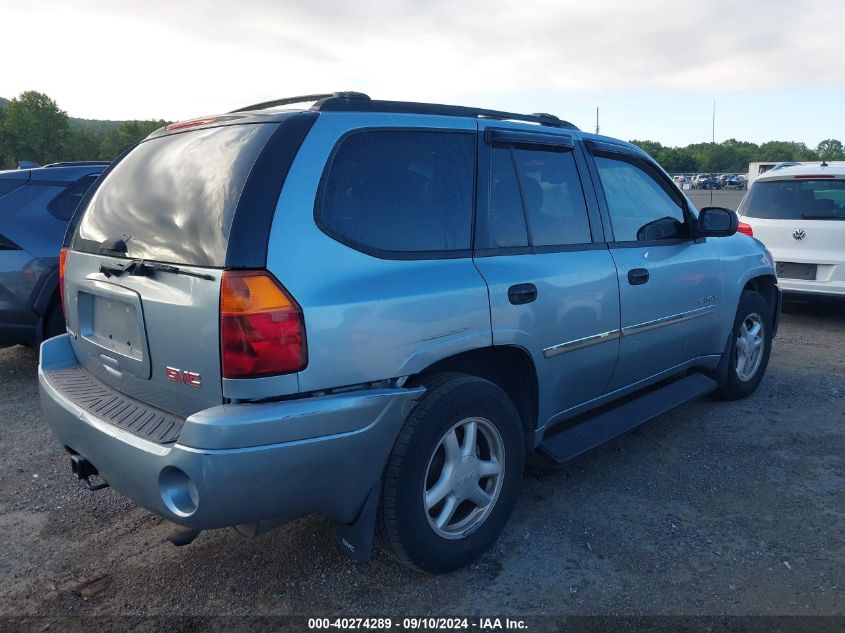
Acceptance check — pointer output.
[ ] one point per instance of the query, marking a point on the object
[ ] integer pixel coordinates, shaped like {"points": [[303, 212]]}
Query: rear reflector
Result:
{"points": [[262, 329], [745, 229], [62, 259]]}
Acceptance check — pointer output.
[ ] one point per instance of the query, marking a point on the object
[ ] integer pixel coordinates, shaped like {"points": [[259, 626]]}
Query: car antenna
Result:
{"points": [[824, 163]]}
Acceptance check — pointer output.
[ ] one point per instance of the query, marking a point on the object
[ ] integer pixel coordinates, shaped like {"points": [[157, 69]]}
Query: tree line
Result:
{"points": [[733, 156], [33, 127]]}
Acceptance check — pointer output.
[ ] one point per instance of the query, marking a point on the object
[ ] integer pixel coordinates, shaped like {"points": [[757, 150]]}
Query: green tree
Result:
{"points": [[33, 128], [4, 160], [831, 149], [83, 144], [776, 151], [125, 136]]}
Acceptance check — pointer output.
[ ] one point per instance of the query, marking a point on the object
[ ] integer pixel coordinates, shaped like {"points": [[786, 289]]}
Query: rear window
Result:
{"points": [[822, 199], [401, 191], [172, 199]]}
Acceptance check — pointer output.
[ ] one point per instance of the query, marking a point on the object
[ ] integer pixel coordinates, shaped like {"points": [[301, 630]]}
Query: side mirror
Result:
{"points": [[717, 222]]}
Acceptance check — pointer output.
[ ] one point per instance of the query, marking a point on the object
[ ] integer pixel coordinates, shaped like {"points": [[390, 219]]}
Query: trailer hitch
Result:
{"points": [[84, 470]]}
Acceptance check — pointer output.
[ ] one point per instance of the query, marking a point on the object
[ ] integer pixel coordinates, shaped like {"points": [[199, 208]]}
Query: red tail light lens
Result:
{"points": [[262, 329], [745, 229], [62, 259], [180, 125]]}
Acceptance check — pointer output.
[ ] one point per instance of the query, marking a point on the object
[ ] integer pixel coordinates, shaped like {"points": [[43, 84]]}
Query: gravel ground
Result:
{"points": [[718, 508]]}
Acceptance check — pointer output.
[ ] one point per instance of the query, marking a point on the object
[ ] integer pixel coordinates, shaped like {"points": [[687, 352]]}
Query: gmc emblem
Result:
{"points": [[190, 378]]}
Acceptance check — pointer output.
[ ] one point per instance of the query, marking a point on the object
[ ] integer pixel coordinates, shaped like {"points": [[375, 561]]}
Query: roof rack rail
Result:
{"points": [[79, 163], [286, 101], [360, 102]]}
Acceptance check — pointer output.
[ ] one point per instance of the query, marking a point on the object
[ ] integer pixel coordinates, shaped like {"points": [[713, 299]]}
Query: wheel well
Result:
{"points": [[509, 368], [766, 286], [54, 303]]}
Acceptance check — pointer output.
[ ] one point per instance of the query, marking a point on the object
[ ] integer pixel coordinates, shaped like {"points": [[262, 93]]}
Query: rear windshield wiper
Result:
{"points": [[140, 268]]}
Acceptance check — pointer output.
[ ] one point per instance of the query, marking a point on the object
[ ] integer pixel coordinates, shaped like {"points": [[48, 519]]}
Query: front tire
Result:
{"points": [[454, 475], [750, 347]]}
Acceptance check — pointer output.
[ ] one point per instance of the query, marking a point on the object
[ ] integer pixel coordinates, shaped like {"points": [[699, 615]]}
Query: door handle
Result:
{"points": [[637, 276], [522, 293]]}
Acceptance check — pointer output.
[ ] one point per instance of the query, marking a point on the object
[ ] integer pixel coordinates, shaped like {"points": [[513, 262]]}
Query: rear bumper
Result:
{"points": [[239, 464], [833, 287]]}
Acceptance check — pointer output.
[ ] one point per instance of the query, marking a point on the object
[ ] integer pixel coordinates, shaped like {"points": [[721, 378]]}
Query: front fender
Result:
{"points": [[743, 259]]}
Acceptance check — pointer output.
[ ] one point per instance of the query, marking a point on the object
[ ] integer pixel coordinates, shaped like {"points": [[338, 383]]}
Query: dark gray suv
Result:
{"points": [[35, 207], [372, 310]]}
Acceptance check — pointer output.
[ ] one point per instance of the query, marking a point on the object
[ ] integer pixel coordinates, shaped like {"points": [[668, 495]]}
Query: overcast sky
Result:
{"points": [[776, 68]]}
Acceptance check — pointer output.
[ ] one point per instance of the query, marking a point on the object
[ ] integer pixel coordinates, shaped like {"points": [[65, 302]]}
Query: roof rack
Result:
{"points": [[360, 102], [286, 101], [79, 163]]}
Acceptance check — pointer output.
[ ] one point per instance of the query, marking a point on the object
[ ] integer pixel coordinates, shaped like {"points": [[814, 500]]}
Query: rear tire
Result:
{"points": [[750, 347], [454, 475]]}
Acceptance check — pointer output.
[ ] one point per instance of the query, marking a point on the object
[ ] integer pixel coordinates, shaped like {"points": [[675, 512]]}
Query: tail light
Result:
{"points": [[62, 259], [262, 329], [745, 229]]}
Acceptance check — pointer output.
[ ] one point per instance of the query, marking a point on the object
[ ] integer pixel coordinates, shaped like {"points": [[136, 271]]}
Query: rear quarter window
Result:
{"points": [[63, 205], [402, 193]]}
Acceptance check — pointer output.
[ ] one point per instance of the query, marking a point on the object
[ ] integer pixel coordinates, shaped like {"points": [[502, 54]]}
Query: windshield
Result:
{"points": [[172, 199], [817, 199]]}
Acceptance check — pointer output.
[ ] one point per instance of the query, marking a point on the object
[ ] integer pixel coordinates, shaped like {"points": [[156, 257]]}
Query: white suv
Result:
{"points": [[799, 214]]}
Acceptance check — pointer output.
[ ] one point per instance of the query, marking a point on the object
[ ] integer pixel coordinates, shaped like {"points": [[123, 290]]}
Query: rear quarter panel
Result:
{"points": [[367, 318]]}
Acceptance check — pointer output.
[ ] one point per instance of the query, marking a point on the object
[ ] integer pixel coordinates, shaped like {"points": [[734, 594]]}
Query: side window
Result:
{"points": [[539, 187], [641, 207], [503, 225], [64, 204], [405, 191], [554, 200]]}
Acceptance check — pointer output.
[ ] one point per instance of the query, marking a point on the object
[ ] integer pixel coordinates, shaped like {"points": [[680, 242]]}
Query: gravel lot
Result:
{"points": [[716, 508]]}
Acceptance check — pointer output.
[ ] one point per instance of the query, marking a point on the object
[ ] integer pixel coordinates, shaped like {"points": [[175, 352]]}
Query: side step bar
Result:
{"points": [[571, 443]]}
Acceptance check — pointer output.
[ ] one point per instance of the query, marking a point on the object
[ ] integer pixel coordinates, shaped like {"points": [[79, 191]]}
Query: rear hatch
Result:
{"points": [[142, 279], [799, 218]]}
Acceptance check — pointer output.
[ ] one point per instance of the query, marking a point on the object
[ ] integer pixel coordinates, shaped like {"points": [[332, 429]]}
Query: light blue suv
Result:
{"points": [[374, 310]]}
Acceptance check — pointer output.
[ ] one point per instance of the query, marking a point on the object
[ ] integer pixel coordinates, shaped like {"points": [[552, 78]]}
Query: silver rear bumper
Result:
{"points": [[240, 463]]}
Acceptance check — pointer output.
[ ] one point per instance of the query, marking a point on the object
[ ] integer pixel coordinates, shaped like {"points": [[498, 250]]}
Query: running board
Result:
{"points": [[571, 443]]}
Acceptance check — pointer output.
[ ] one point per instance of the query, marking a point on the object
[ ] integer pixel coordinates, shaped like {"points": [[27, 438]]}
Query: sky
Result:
{"points": [[775, 68]]}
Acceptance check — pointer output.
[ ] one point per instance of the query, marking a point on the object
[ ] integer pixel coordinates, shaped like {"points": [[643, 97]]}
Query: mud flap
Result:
{"points": [[356, 539]]}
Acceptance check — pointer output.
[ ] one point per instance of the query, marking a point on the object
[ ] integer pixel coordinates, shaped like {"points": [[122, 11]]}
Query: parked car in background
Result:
{"points": [[372, 309], [798, 212], [35, 207], [734, 183], [705, 181]]}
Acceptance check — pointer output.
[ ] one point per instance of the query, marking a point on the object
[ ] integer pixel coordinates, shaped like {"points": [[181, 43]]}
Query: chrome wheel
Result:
{"points": [[749, 347], [464, 477]]}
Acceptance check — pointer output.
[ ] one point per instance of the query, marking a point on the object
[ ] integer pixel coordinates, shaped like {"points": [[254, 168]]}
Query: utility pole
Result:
{"points": [[713, 135], [597, 119]]}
